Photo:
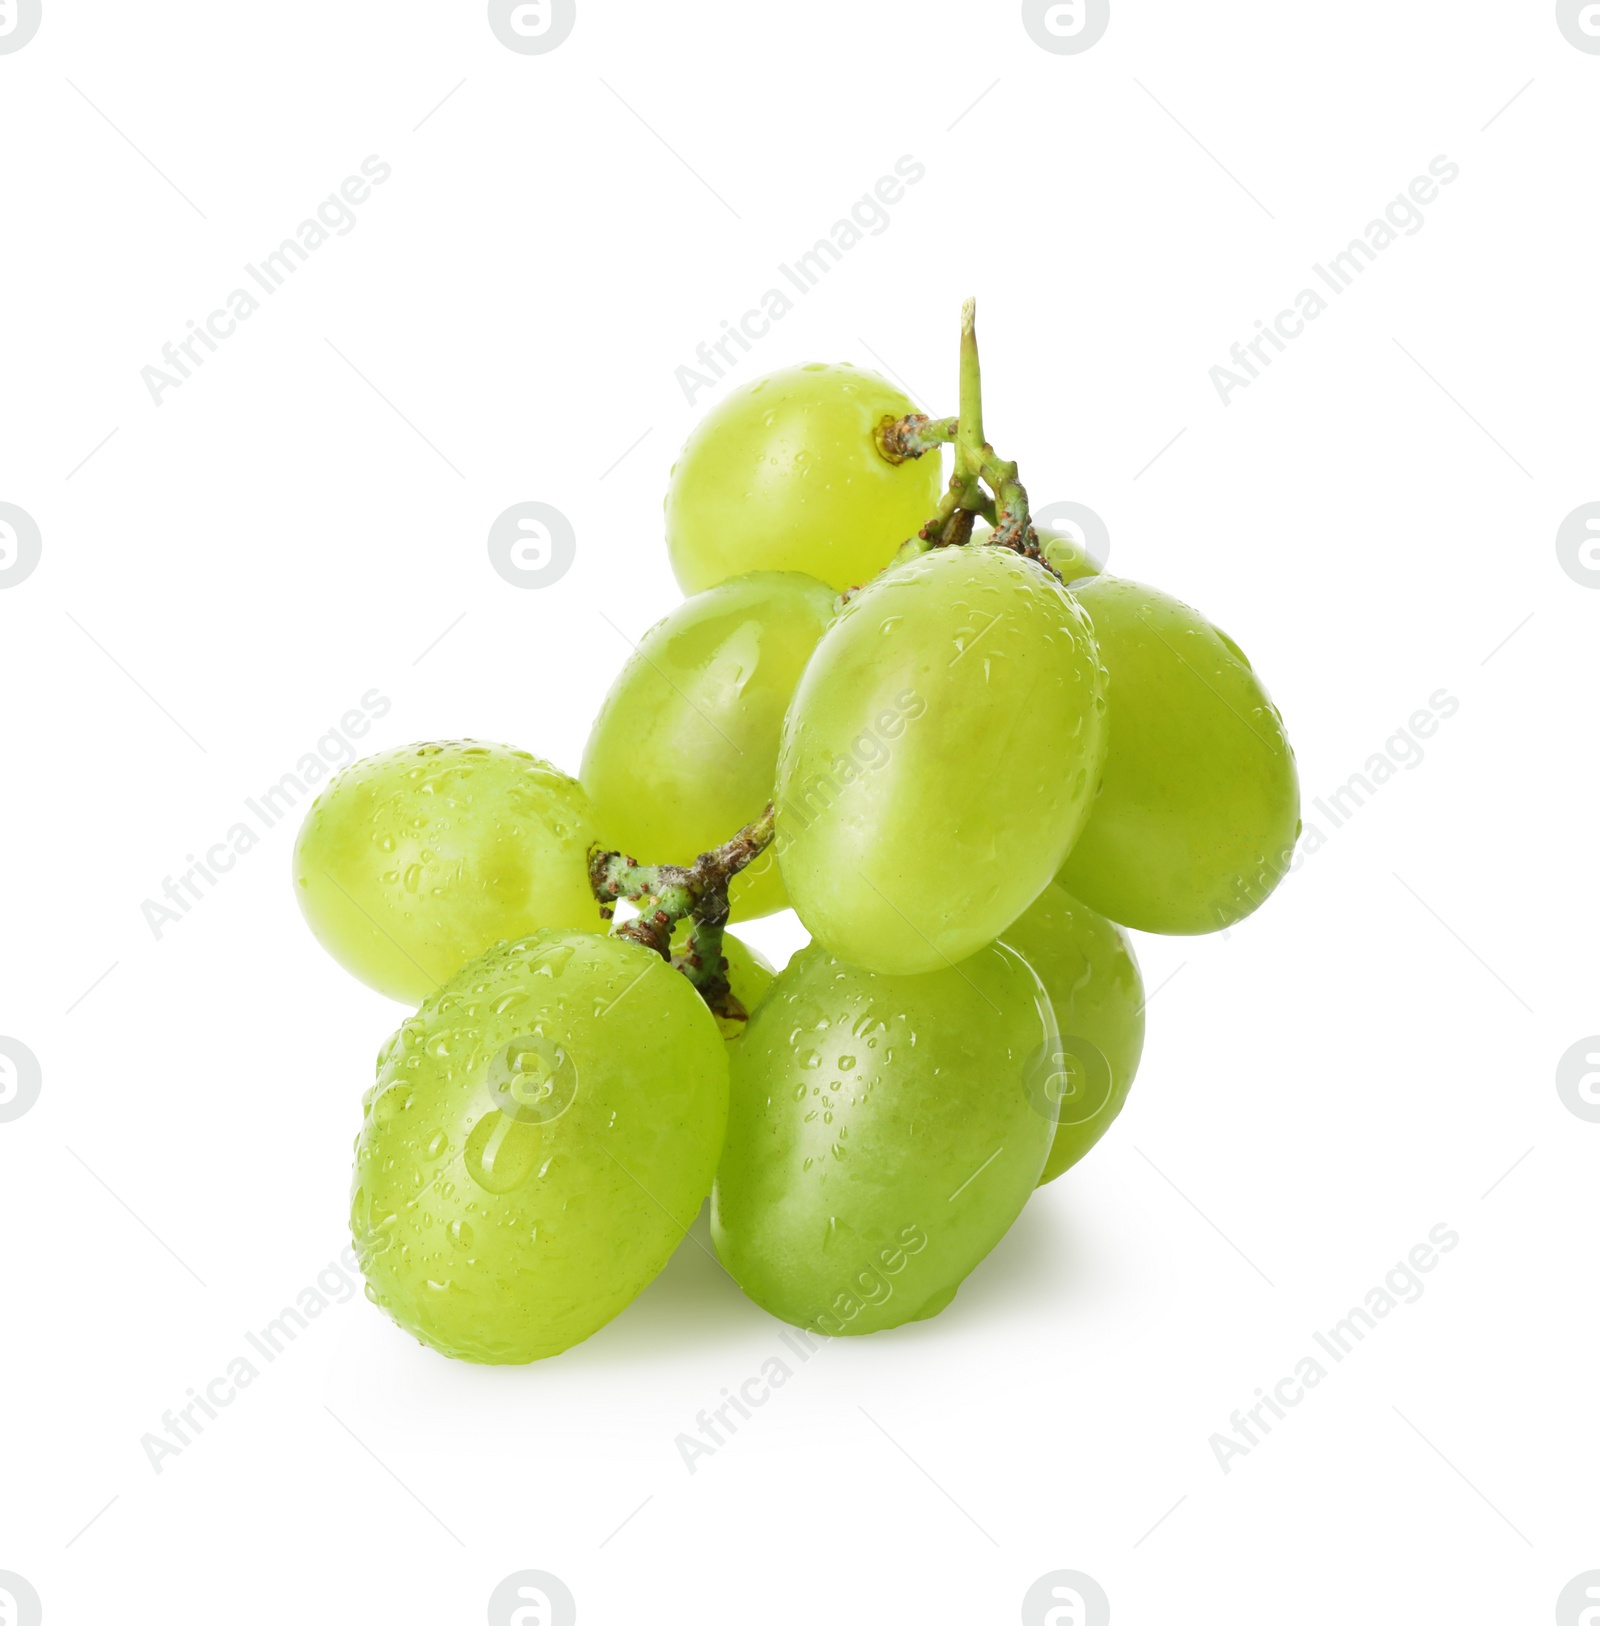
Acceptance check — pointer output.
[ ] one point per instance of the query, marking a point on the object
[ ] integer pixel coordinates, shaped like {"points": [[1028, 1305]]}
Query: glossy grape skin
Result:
{"points": [[414, 861], [883, 1134], [784, 474], [1199, 809], [939, 759], [1090, 972], [504, 1234], [684, 751]]}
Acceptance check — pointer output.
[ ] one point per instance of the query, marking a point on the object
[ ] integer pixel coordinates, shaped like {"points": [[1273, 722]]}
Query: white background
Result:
{"points": [[304, 521]]}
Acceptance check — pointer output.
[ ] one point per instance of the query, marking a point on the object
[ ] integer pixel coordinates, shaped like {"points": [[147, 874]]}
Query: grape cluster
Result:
{"points": [[969, 761]]}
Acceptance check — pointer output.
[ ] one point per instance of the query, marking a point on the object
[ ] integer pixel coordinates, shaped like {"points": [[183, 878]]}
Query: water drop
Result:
{"points": [[501, 1152]]}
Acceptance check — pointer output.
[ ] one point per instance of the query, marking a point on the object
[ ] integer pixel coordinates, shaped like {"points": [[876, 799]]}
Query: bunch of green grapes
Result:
{"points": [[966, 756]]}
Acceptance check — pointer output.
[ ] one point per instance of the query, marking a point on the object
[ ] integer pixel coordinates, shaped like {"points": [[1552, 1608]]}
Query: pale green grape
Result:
{"points": [[939, 759], [784, 474], [883, 1133], [1200, 807], [684, 752], [1088, 969], [541, 1134], [414, 861]]}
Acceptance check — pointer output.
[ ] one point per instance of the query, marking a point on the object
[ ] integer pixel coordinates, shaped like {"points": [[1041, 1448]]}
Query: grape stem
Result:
{"points": [[665, 894], [976, 466], [900, 439]]}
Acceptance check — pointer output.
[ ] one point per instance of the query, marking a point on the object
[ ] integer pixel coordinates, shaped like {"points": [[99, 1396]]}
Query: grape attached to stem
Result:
{"points": [[787, 474], [940, 758], [416, 860], [685, 748]]}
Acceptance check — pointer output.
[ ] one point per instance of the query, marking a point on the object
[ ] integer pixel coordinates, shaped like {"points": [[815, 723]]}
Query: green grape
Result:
{"points": [[749, 971], [685, 749], [1200, 807], [541, 1134], [1088, 969], [883, 1133], [939, 759], [784, 474], [414, 861]]}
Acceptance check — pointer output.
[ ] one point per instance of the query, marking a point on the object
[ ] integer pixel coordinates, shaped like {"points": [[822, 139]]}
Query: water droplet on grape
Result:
{"points": [[501, 1152], [386, 1105]]}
